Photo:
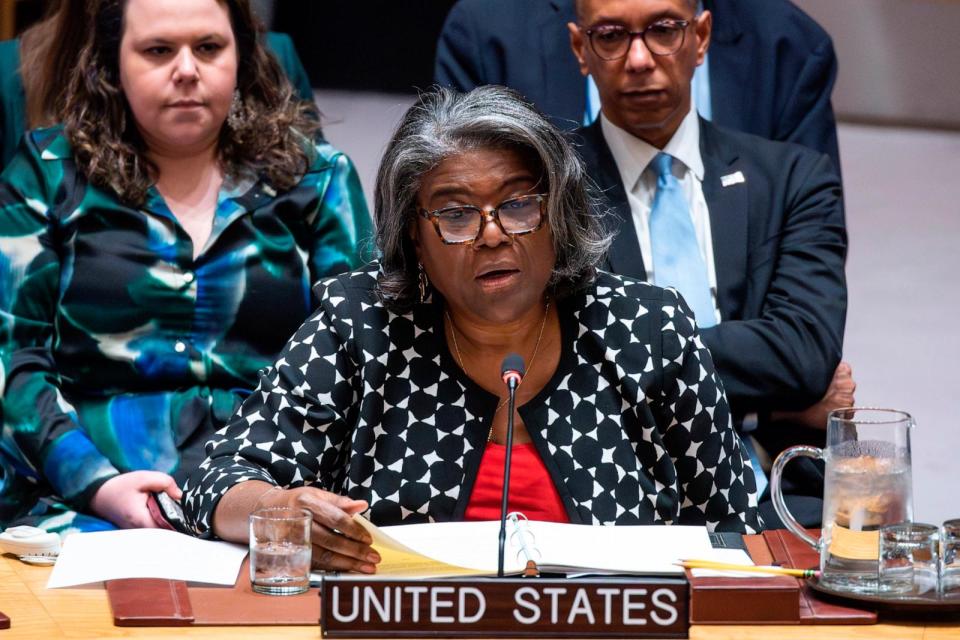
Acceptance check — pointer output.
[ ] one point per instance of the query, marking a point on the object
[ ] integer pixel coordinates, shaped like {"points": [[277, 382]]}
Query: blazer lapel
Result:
{"points": [[566, 91], [729, 215], [624, 257]]}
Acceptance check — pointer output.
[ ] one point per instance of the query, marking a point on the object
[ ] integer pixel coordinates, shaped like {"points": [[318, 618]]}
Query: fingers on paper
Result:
{"points": [[335, 551], [335, 513], [329, 560]]}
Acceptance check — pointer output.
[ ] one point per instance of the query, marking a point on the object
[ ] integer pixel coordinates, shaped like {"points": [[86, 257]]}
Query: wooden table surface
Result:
{"points": [[38, 612]]}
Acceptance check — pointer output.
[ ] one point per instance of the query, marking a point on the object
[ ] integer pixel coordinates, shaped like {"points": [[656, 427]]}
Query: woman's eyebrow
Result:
{"points": [[168, 40], [522, 177], [454, 189], [451, 190]]}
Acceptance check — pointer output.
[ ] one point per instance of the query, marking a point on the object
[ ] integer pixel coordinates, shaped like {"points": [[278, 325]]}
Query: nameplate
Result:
{"points": [[616, 607]]}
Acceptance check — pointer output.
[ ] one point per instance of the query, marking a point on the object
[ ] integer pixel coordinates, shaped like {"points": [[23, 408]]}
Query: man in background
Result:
{"points": [[750, 231], [770, 70]]}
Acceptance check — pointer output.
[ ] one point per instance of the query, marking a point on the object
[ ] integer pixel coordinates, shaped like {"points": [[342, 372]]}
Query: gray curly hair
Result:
{"points": [[444, 123]]}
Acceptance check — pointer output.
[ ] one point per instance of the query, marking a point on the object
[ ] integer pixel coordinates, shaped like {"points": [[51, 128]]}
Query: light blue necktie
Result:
{"points": [[701, 89], [592, 109], [677, 261], [758, 474]]}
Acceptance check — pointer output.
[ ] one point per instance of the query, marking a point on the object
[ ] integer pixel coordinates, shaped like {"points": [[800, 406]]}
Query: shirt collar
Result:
{"points": [[633, 155]]}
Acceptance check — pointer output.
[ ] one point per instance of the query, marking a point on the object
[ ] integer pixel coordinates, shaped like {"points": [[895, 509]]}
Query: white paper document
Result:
{"points": [[145, 553], [463, 548]]}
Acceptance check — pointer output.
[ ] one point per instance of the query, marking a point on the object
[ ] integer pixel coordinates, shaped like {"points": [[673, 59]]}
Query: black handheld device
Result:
{"points": [[167, 513]]}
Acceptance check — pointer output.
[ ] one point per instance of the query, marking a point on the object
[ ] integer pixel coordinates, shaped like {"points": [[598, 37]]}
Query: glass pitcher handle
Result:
{"points": [[776, 493]]}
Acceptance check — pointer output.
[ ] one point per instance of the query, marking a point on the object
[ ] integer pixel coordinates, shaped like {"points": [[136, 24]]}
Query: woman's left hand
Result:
{"points": [[123, 499]]}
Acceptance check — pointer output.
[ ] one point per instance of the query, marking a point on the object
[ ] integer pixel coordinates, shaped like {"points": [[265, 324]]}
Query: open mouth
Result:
{"points": [[497, 276]]}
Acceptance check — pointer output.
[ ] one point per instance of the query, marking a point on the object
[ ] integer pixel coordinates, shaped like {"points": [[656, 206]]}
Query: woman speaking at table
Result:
{"points": [[388, 400], [155, 252]]}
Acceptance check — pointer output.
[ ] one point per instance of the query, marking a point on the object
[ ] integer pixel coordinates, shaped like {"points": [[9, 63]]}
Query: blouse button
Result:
{"points": [[179, 346], [188, 277]]}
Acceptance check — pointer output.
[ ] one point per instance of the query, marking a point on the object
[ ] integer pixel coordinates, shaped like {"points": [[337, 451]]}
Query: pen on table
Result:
{"points": [[726, 566]]}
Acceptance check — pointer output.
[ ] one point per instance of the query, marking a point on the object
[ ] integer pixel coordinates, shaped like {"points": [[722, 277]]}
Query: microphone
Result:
{"points": [[511, 372]]}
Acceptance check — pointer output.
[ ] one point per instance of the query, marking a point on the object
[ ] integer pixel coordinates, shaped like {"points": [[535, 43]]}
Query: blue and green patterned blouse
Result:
{"points": [[119, 350]]}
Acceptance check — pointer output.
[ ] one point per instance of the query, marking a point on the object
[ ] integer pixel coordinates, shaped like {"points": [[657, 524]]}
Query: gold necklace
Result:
{"points": [[536, 350]]}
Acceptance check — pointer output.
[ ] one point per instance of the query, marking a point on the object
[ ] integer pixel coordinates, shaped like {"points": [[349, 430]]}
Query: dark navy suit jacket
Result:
{"points": [[779, 245], [772, 68]]}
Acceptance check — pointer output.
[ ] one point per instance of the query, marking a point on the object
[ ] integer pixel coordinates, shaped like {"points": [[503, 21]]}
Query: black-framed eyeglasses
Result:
{"points": [[613, 41], [462, 224]]}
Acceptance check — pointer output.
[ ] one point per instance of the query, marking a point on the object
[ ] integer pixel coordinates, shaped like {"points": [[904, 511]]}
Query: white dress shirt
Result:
{"points": [[633, 157]]}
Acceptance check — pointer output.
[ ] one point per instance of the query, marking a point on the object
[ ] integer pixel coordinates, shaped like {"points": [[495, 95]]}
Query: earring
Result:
{"points": [[422, 282], [236, 118]]}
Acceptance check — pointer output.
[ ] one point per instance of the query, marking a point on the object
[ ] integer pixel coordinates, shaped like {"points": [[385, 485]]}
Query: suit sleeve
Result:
{"points": [[40, 430], [808, 117], [785, 357], [716, 482], [459, 62]]}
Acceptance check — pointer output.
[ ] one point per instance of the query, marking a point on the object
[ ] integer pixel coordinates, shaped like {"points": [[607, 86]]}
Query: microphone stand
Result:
{"points": [[511, 400]]}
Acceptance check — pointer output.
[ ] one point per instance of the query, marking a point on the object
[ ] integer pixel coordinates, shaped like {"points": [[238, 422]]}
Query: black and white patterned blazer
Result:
{"points": [[633, 426]]}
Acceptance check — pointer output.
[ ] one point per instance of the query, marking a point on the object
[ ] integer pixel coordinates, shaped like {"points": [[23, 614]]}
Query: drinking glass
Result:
{"points": [[280, 550], [950, 559], [909, 558], [867, 485]]}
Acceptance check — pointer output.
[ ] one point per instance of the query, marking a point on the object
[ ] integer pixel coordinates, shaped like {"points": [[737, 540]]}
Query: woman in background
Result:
{"points": [[35, 70], [155, 252]]}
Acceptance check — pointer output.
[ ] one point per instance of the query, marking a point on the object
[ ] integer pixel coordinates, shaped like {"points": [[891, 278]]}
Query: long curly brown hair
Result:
{"points": [[43, 49], [272, 138]]}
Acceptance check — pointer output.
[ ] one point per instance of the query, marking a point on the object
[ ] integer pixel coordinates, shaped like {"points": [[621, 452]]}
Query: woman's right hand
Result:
{"points": [[339, 543], [123, 499]]}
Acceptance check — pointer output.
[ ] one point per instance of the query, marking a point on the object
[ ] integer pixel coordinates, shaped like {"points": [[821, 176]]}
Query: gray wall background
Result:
{"points": [[898, 59]]}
